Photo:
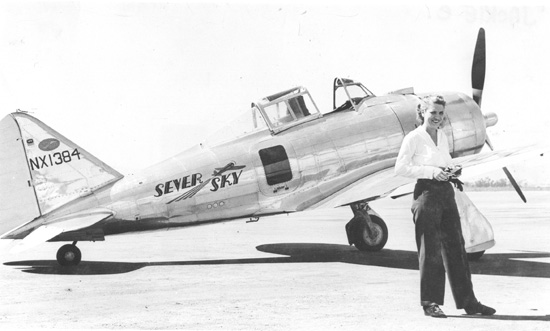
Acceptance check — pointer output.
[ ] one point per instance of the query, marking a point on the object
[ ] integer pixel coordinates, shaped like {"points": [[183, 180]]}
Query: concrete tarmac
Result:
{"points": [[289, 272]]}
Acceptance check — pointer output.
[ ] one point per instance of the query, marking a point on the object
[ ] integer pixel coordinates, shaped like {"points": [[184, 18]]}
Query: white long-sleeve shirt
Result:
{"points": [[420, 157]]}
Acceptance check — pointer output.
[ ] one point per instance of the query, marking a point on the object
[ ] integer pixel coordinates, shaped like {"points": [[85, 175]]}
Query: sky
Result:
{"points": [[136, 82]]}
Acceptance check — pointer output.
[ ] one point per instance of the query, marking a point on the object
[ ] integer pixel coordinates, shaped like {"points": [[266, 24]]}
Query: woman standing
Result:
{"points": [[424, 155]]}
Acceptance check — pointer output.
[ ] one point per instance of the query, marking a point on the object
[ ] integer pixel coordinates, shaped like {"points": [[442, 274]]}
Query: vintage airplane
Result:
{"points": [[286, 157]]}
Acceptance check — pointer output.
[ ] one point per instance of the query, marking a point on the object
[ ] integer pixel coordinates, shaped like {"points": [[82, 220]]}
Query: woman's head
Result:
{"points": [[431, 111]]}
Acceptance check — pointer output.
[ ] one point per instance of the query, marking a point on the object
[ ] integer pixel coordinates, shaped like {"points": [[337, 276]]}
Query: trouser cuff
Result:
{"points": [[427, 303]]}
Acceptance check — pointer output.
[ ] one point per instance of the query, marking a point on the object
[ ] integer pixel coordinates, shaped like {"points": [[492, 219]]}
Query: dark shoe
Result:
{"points": [[433, 310], [478, 308]]}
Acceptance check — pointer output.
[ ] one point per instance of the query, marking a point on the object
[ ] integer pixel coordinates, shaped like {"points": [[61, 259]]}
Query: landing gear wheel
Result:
{"points": [[375, 241], [475, 256], [69, 255]]}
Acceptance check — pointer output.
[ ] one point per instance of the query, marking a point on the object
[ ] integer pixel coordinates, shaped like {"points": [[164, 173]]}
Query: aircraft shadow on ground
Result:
{"points": [[509, 264]]}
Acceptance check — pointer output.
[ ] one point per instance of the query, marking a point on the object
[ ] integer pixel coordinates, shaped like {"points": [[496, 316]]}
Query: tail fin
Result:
{"points": [[41, 170]]}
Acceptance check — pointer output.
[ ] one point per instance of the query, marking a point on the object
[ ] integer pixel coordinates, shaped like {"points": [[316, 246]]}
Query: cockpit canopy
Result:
{"points": [[276, 112], [286, 109], [348, 94]]}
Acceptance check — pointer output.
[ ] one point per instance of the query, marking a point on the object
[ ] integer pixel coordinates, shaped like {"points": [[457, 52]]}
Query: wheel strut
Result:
{"points": [[366, 230]]}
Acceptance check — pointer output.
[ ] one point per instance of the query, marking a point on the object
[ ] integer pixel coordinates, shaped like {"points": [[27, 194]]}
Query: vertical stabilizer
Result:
{"points": [[43, 167]]}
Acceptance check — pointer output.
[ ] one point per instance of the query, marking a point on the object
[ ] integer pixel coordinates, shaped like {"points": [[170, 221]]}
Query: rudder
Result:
{"points": [[17, 198]]}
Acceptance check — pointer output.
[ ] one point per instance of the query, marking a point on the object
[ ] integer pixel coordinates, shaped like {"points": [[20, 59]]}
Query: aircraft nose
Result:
{"points": [[491, 119]]}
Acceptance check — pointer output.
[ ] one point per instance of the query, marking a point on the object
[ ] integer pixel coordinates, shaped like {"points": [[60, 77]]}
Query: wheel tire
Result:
{"points": [[473, 257], [69, 255], [365, 243]]}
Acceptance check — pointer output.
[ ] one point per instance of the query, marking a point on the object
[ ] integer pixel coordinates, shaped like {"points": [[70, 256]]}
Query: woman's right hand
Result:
{"points": [[441, 175]]}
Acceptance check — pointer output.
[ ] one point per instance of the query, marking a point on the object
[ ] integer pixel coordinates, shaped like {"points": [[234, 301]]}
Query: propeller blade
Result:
{"points": [[489, 143], [478, 67], [514, 183]]}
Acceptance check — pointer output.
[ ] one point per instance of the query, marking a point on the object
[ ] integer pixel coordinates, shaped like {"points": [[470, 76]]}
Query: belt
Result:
{"points": [[453, 180]]}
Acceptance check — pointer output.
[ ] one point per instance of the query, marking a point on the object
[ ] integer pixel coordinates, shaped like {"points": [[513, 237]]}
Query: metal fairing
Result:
{"points": [[466, 125]]}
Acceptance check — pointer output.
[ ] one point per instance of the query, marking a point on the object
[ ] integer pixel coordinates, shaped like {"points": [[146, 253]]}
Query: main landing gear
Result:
{"points": [[366, 230], [69, 255]]}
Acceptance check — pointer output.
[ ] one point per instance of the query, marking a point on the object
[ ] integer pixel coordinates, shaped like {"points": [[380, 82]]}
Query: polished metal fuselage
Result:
{"points": [[325, 155]]}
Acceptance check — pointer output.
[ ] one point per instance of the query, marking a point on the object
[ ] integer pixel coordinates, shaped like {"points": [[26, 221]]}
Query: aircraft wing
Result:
{"points": [[481, 163], [385, 183], [372, 187], [54, 228]]}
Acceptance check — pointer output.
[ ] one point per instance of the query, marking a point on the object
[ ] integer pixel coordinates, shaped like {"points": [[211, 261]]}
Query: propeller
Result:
{"points": [[514, 184], [478, 67], [478, 80]]}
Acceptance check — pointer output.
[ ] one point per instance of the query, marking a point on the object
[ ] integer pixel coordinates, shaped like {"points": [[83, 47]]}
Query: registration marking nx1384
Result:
{"points": [[53, 159]]}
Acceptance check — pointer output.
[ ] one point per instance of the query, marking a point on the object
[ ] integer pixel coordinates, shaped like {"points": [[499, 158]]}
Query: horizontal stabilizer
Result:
{"points": [[68, 223]]}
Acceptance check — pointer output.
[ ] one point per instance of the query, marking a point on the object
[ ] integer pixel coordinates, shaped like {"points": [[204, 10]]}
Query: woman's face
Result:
{"points": [[434, 116]]}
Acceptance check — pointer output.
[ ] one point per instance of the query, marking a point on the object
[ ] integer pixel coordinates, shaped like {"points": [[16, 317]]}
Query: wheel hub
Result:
{"points": [[373, 236], [69, 256]]}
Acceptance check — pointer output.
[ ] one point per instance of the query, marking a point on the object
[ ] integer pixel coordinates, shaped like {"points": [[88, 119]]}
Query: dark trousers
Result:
{"points": [[440, 244]]}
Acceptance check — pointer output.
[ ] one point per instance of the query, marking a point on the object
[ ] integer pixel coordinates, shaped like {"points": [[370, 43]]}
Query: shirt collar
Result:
{"points": [[427, 137]]}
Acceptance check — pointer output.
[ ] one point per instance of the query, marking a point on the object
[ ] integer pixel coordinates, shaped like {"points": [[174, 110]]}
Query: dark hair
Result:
{"points": [[427, 101]]}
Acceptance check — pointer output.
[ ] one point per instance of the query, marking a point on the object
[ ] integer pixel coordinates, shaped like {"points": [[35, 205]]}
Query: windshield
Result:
{"points": [[288, 108], [287, 111]]}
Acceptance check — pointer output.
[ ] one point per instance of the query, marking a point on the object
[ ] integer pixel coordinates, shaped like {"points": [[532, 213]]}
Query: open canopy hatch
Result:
{"points": [[348, 94]]}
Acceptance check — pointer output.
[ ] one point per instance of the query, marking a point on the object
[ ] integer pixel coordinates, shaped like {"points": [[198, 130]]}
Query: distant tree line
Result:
{"points": [[488, 182]]}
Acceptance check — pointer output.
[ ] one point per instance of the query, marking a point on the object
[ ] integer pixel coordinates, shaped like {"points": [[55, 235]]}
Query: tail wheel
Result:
{"points": [[375, 239], [69, 255]]}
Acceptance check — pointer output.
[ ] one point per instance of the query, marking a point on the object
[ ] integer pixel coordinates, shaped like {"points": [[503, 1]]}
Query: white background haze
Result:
{"points": [[137, 82]]}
